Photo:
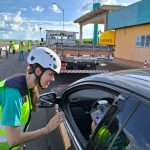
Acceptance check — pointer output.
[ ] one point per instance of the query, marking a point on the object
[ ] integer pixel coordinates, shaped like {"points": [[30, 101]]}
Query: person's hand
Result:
{"points": [[55, 121], [93, 126]]}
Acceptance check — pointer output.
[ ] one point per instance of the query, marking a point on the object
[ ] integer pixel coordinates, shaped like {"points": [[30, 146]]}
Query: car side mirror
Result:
{"points": [[47, 100]]}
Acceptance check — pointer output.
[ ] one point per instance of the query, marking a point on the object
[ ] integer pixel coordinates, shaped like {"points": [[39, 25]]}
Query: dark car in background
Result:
{"points": [[125, 126]]}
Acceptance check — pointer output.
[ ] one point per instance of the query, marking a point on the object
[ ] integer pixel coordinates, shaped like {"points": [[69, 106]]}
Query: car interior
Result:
{"points": [[81, 104]]}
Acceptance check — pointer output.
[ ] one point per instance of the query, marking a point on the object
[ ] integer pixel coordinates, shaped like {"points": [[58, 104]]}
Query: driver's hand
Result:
{"points": [[93, 126], [55, 121]]}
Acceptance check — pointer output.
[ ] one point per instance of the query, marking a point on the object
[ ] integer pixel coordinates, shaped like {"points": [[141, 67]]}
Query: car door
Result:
{"points": [[136, 128], [77, 103]]}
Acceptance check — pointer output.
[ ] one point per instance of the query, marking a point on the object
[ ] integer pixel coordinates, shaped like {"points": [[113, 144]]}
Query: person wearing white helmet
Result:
{"points": [[45, 59], [19, 96]]}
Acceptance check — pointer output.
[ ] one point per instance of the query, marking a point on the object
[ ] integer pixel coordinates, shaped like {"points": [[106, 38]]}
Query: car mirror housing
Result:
{"points": [[47, 100]]}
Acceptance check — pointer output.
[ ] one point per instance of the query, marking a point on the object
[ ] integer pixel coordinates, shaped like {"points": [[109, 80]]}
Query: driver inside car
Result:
{"points": [[99, 109]]}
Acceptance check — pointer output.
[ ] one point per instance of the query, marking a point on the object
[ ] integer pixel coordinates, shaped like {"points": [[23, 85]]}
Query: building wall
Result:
{"points": [[135, 14], [125, 42]]}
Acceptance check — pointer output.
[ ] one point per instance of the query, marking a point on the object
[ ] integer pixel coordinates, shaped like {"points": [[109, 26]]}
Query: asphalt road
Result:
{"points": [[12, 66]]}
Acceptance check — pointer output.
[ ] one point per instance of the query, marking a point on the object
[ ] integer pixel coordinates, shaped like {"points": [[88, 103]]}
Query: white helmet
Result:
{"points": [[45, 57]]}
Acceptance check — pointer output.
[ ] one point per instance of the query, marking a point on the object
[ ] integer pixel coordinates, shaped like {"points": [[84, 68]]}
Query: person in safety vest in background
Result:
{"points": [[29, 46], [12, 47], [21, 50], [19, 96]]}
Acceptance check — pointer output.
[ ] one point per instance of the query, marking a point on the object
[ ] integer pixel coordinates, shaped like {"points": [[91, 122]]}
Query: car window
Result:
{"points": [[80, 104], [110, 125], [137, 130]]}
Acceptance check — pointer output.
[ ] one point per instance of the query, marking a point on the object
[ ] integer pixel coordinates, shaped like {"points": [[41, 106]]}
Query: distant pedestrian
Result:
{"points": [[21, 50], [29, 46], [12, 47]]}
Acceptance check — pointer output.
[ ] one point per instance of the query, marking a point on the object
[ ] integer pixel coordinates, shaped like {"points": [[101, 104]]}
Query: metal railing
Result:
{"points": [[60, 46], [80, 47]]}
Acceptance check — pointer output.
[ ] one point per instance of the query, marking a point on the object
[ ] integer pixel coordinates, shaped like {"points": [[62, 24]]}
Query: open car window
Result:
{"points": [[110, 126], [80, 105]]}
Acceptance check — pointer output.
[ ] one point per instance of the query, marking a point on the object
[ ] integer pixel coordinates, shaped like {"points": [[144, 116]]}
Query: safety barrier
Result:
{"points": [[84, 71], [3, 52]]}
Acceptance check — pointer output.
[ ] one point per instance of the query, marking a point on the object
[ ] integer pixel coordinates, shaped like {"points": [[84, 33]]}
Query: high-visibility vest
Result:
{"points": [[21, 46], [25, 116], [29, 45], [12, 45]]}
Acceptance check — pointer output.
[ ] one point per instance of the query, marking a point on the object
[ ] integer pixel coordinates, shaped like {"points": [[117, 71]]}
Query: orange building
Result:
{"points": [[132, 31], [133, 43]]}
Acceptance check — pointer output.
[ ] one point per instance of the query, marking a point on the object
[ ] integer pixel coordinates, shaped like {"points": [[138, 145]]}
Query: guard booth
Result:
{"points": [[57, 36]]}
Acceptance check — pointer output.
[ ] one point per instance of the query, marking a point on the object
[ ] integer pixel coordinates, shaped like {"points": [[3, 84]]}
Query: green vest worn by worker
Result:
{"points": [[12, 45], [105, 137], [21, 47], [29, 45], [25, 117]]}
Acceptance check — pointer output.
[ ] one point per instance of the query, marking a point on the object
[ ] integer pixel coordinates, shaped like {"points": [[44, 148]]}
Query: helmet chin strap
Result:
{"points": [[38, 78]]}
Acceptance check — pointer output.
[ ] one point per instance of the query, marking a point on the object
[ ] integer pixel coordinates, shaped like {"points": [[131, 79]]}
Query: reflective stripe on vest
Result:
{"points": [[25, 113]]}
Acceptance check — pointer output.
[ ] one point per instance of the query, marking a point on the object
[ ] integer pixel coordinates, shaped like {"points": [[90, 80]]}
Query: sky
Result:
{"points": [[28, 19]]}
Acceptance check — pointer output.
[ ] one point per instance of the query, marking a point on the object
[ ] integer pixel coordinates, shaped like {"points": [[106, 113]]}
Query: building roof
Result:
{"points": [[97, 12], [58, 31]]}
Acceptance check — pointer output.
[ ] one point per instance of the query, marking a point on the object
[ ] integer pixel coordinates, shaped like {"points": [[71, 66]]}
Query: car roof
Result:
{"points": [[137, 80]]}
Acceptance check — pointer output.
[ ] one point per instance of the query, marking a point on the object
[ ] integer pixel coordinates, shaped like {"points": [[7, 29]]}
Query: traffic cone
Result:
{"points": [[145, 64]]}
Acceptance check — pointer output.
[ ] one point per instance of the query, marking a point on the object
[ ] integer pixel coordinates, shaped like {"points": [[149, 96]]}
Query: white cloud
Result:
{"points": [[55, 8], [5, 17], [109, 2], [35, 28], [2, 24], [87, 6], [23, 9], [11, 21], [16, 27], [129, 2], [30, 29], [37, 8], [17, 18]]}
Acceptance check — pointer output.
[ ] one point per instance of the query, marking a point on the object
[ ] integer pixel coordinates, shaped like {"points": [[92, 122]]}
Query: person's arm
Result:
{"points": [[15, 136], [93, 126]]}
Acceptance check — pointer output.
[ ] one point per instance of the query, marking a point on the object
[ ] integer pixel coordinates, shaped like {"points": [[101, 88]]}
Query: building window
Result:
{"points": [[138, 41], [143, 41], [147, 41], [53, 36], [70, 37]]}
